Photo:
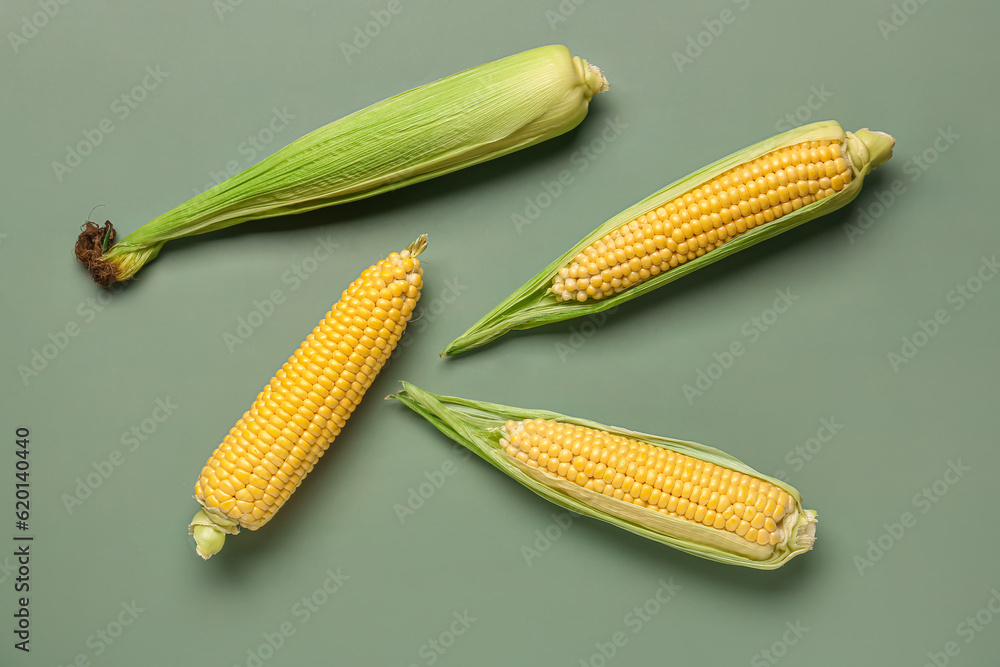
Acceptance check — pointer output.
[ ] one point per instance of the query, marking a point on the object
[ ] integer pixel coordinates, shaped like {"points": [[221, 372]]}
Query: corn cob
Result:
{"points": [[476, 115], [702, 219], [732, 204], [683, 494], [274, 445]]}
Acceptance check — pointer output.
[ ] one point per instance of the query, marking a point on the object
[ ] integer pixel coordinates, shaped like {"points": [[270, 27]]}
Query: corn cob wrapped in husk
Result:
{"points": [[689, 496], [732, 204], [476, 115]]}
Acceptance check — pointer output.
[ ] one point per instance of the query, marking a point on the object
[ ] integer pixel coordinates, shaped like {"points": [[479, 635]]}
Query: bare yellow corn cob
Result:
{"points": [[705, 217], [277, 442]]}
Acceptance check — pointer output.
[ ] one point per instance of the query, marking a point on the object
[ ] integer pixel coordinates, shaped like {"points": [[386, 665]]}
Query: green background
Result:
{"points": [[226, 68]]}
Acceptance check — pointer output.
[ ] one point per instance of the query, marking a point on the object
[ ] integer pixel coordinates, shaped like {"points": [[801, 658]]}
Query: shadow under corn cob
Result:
{"points": [[476, 115]]}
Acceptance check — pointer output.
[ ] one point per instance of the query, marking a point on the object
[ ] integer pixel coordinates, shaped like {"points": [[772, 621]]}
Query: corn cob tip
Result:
{"points": [[108, 261], [210, 533], [93, 242], [592, 75], [416, 247]]}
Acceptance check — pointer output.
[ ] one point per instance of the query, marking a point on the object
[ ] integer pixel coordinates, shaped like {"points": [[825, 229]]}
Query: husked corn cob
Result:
{"points": [[732, 204], [274, 445], [703, 218], [689, 496]]}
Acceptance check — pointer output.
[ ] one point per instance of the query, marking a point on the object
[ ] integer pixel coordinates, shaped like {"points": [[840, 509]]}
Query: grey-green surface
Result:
{"points": [[473, 548]]}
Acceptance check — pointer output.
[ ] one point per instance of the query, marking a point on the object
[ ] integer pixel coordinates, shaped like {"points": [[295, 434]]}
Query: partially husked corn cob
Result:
{"points": [[659, 479], [692, 497], [745, 198], [703, 218], [274, 445]]}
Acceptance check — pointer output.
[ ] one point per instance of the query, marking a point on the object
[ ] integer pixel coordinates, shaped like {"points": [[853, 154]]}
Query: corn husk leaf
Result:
{"points": [[477, 425], [533, 304]]}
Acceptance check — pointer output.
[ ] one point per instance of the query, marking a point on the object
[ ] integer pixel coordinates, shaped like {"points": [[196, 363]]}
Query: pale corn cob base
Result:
{"points": [[271, 449], [657, 487], [701, 220]]}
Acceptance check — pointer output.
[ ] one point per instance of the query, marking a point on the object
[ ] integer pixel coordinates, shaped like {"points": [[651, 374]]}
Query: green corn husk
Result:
{"points": [[477, 426], [534, 304], [464, 119]]}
